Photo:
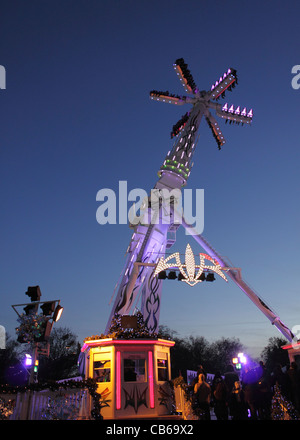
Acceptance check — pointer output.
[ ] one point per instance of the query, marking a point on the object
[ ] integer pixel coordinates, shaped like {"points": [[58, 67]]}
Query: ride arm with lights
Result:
{"points": [[234, 114], [215, 129], [185, 76], [225, 82], [168, 98]]}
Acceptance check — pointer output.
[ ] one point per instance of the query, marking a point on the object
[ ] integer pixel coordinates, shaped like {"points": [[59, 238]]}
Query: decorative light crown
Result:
{"points": [[188, 270]]}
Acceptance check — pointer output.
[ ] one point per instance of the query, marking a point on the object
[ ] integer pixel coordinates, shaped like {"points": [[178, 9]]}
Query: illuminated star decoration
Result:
{"points": [[188, 270]]}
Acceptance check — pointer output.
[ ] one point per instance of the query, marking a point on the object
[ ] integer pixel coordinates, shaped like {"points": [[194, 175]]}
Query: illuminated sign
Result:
{"points": [[189, 272]]}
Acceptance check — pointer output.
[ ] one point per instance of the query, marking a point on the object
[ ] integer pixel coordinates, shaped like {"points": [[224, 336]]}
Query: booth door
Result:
{"points": [[135, 384]]}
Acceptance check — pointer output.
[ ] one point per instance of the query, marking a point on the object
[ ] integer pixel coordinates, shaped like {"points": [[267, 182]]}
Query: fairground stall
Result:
{"points": [[132, 375]]}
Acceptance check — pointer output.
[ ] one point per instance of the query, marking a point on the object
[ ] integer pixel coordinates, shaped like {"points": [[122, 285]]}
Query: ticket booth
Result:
{"points": [[132, 375]]}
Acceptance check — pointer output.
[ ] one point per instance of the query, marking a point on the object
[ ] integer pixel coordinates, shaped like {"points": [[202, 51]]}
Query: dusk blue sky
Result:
{"points": [[76, 117]]}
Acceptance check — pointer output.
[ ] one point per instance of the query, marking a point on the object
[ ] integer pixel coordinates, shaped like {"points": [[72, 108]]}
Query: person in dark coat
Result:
{"points": [[220, 393], [237, 403], [230, 377]]}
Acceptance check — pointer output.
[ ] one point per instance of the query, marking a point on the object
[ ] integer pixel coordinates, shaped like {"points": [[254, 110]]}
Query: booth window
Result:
{"points": [[134, 370], [102, 371], [162, 368]]}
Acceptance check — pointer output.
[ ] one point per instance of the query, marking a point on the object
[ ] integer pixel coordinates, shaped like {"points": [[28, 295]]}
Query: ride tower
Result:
{"points": [[139, 285]]}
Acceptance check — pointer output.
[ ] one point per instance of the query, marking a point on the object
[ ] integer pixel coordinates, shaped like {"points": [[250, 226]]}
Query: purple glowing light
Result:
{"points": [[225, 107], [242, 358], [28, 360]]}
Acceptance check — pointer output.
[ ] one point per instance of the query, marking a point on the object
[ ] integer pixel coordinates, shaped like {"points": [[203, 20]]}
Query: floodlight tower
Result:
{"points": [[150, 240]]}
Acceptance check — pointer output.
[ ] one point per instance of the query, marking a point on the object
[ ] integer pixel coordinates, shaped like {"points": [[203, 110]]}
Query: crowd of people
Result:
{"points": [[243, 396]]}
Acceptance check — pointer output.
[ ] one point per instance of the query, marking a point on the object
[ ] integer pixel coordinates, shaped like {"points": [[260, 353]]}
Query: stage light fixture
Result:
{"points": [[210, 277], [48, 308], [57, 314], [34, 293], [162, 275], [172, 275]]}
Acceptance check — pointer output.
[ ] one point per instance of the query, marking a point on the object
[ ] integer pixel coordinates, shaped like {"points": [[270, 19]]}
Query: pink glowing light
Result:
{"points": [[28, 360], [225, 107], [151, 379], [118, 380], [110, 341]]}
